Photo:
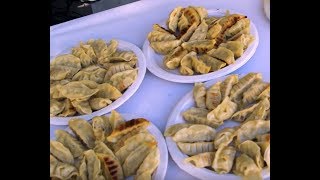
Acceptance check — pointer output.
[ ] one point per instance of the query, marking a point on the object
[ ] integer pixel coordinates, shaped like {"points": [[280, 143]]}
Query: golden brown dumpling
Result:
{"points": [[214, 63], [224, 54], [199, 46], [164, 47], [172, 60], [173, 19]]}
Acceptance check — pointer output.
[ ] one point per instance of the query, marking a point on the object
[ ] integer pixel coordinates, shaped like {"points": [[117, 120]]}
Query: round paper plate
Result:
{"points": [[175, 117], [141, 65], [161, 170], [155, 61]]}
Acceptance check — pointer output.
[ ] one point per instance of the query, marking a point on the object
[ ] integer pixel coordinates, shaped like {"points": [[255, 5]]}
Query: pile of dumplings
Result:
{"points": [[246, 101], [109, 148], [198, 44], [90, 78]]}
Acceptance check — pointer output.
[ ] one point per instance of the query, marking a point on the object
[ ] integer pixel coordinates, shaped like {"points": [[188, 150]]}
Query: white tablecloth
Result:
{"points": [[156, 98]]}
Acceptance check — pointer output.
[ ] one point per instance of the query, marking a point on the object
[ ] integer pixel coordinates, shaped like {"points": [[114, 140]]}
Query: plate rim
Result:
{"points": [[56, 120], [156, 133], [178, 78], [172, 146]]}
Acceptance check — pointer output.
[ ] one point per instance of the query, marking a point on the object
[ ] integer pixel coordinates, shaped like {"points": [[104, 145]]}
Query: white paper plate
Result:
{"points": [[141, 65], [155, 61], [175, 117], [161, 170]]}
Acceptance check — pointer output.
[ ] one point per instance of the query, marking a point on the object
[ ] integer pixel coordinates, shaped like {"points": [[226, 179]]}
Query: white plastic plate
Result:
{"points": [[155, 61], [141, 65], [161, 170], [175, 117]]}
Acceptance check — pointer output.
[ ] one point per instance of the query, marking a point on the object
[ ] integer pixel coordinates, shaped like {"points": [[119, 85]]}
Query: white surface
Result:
{"points": [[156, 97], [141, 65], [155, 61], [160, 172], [175, 117]]}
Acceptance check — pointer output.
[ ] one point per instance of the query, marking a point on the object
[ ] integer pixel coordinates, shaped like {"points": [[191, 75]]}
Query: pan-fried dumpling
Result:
{"points": [[223, 111], [227, 85], [68, 109], [55, 89], [201, 160], [236, 28], [99, 103], [213, 96], [83, 170], [199, 116], [119, 67], [111, 168], [251, 129], [188, 33], [93, 165], [61, 170], [173, 19], [265, 93], [126, 127], [244, 31], [62, 153], [243, 84], [175, 128], [83, 130], [224, 137], [56, 107], [101, 127], [186, 63], [214, 31], [90, 84], [95, 73], [214, 63], [194, 133], [77, 90], [122, 56], [200, 33], [203, 13], [85, 59], [172, 60], [149, 164], [108, 91], [227, 22], [199, 66], [136, 157], [241, 115], [164, 47], [245, 39], [82, 107], [245, 166], [121, 142], [115, 119], [195, 148], [67, 60], [122, 80], [199, 95], [131, 144], [251, 149], [155, 36], [108, 51], [224, 54], [189, 18], [223, 159], [74, 145], [61, 72], [235, 46], [254, 91], [199, 46], [260, 111]]}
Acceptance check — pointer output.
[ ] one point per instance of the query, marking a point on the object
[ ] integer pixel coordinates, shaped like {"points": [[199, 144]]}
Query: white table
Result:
{"points": [[156, 98]]}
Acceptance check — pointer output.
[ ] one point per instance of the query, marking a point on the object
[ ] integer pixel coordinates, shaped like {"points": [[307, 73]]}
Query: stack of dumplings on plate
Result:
{"points": [[90, 78], [107, 148], [245, 100], [195, 43]]}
